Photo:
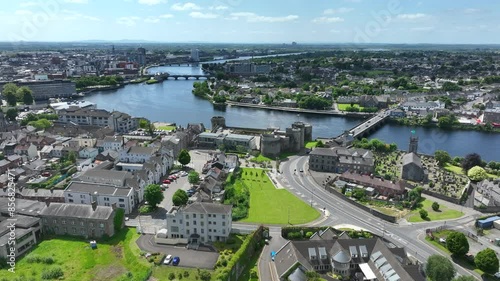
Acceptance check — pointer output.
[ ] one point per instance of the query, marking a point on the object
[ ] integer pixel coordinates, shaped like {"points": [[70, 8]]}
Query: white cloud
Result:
{"points": [[154, 19], [28, 4], [128, 21], [73, 15], [151, 20], [422, 28], [471, 11], [23, 12], [327, 20], [77, 1], [185, 7], [252, 17], [219, 8], [200, 15], [342, 10], [151, 2], [417, 16]]}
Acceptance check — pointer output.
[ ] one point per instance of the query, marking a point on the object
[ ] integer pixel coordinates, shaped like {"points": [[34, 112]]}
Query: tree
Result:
{"points": [[9, 93], [40, 124], [205, 275], [477, 173], [72, 156], [11, 114], [184, 157], [446, 122], [487, 261], [153, 194], [471, 160], [439, 268], [193, 177], [180, 198], [457, 244], [465, 278], [25, 95], [423, 214], [442, 157], [435, 206]]}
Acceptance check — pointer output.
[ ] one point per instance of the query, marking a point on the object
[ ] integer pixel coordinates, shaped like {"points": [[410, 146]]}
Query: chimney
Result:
{"points": [[94, 205]]}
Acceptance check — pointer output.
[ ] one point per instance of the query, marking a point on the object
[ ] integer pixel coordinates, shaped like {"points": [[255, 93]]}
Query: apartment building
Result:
{"points": [[89, 221], [200, 222]]}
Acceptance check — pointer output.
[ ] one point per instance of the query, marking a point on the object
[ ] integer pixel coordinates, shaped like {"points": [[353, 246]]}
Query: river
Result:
{"points": [[172, 101]]}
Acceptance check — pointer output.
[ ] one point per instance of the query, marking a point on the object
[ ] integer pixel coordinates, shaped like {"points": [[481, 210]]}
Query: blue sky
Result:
{"points": [[253, 21]]}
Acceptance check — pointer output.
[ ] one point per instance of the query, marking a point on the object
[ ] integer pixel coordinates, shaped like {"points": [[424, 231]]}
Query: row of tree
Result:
{"points": [[14, 94]]}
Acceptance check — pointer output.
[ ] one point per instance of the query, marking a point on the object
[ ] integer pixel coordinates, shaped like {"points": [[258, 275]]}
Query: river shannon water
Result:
{"points": [[172, 101]]}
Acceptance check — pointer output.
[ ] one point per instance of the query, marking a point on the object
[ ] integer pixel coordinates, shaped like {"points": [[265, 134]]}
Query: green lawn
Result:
{"points": [[458, 170], [274, 206], [311, 144], [110, 261], [444, 213], [166, 128], [343, 106]]}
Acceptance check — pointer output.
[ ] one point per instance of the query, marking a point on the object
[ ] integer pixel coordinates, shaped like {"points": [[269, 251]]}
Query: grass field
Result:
{"points": [[458, 170], [274, 206], [444, 213], [311, 144], [343, 106], [165, 128], [110, 261]]}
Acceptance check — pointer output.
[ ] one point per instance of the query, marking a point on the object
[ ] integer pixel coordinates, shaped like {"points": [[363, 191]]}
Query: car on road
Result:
{"points": [[301, 170], [168, 259], [273, 254], [166, 181], [176, 261], [184, 173]]}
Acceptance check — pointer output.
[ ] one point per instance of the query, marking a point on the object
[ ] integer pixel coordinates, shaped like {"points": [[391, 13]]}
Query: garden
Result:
{"points": [[426, 210], [255, 199]]}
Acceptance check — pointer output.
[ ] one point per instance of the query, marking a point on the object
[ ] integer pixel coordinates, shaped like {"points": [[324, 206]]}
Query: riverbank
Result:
{"points": [[454, 127], [301, 110]]}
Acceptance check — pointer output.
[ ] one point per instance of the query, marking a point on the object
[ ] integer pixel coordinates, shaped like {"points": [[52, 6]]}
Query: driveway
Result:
{"points": [[266, 267], [206, 258]]}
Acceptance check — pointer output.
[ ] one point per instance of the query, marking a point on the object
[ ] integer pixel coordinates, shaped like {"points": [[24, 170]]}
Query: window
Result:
{"points": [[173, 221], [194, 222], [201, 216], [214, 216], [187, 217], [121, 200], [209, 215], [101, 225], [81, 201], [122, 205], [106, 198], [54, 221], [223, 231], [223, 223], [82, 196], [223, 217], [194, 216], [187, 231], [63, 222], [202, 230], [70, 200], [81, 223], [91, 224], [70, 195], [74, 230], [187, 223], [202, 223], [215, 222]]}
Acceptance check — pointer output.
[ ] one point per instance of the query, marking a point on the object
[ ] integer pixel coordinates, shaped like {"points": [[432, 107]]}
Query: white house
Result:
{"points": [[88, 153], [113, 143], [137, 154], [200, 222]]}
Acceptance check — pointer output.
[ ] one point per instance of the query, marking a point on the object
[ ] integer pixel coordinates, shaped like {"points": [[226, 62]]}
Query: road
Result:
{"points": [[410, 236]]}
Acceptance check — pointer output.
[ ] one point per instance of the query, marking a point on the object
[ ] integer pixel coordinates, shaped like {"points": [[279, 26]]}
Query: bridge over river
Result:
{"points": [[165, 76]]}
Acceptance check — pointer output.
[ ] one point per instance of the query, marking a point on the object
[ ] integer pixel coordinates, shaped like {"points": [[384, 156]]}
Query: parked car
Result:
{"points": [[166, 181], [168, 259], [176, 261]]}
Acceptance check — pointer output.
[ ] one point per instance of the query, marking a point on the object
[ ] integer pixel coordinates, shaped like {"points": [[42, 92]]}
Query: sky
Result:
{"points": [[253, 21]]}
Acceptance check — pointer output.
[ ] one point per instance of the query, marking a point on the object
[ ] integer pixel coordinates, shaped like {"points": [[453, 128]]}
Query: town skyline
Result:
{"points": [[348, 21]]}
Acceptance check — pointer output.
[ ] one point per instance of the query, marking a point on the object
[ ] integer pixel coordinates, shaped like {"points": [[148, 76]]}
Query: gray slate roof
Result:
{"points": [[69, 210], [208, 208]]}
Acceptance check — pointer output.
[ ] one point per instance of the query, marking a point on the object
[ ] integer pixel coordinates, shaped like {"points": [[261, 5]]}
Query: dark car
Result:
{"points": [[176, 261]]}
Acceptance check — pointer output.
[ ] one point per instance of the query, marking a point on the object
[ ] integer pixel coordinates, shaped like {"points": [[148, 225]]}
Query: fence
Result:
{"points": [[361, 206]]}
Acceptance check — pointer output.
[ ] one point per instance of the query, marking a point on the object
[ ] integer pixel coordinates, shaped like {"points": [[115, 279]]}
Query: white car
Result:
{"points": [[168, 259]]}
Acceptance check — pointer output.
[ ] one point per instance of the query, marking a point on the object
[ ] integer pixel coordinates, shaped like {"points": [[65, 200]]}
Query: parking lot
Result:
{"points": [[201, 258]]}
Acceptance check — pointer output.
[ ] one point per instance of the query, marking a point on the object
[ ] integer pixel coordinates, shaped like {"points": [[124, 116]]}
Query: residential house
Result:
{"points": [[113, 143], [42, 195], [200, 222], [356, 259], [89, 221], [29, 150], [492, 115], [137, 154], [88, 153], [341, 159], [122, 122], [397, 113], [422, 106], [383, 187]]}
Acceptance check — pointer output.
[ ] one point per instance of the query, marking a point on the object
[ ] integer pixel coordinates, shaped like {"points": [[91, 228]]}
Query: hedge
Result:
{"points": [[298, 232]]}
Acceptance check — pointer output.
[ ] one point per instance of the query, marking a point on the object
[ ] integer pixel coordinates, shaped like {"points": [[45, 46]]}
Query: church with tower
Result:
{"points": [[412, 168]]}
